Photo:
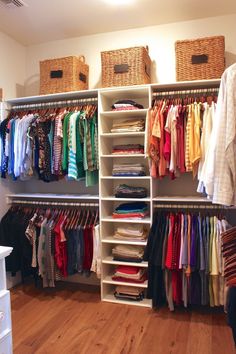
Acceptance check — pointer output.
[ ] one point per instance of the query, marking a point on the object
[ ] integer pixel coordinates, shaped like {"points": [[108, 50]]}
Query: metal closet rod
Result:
{"points": [[188, 206], [55, 104], [19, 201], [186, 92]]}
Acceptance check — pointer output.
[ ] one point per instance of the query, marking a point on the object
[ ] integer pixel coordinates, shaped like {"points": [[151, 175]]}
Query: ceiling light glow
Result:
{"points": [[119, 2]]}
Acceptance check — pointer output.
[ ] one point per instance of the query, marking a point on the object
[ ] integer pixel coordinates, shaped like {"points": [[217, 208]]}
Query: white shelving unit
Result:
{"points": [[108, 183], [5, 306]]}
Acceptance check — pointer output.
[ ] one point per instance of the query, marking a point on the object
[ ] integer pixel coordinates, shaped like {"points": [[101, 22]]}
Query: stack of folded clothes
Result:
{"points": [[137, 210], [123, 292], [229, 254], [128, 253], [126, 105], [125, 191], [131, 233], [128, 170], [130, 274], [128, 149], [130, 125]]}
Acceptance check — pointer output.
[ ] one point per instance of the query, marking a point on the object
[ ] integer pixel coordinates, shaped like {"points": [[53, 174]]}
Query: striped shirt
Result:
{"points": [[72, 165]]}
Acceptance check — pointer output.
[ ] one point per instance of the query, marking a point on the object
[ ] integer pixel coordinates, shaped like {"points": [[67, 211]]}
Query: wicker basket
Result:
{"points": [[129, 66], [63, 75], [200, 59]]}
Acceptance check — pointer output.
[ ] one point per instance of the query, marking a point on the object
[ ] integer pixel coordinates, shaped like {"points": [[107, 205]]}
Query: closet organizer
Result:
{"points": [[134, 179], [53, 239], [73, 187]]}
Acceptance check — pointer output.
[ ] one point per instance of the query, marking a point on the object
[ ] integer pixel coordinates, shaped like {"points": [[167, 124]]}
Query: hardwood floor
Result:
{"points": [[71, 320]]}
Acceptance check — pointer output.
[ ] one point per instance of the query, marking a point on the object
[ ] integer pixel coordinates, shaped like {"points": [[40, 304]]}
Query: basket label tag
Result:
{"points": [[121, 68], [199, 59], [56, 74], [82, 77]]}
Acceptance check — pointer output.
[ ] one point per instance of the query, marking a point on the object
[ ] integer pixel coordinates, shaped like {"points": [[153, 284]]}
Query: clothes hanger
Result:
{"points": [[96, 217], [75, 221], [86, 220], [71, 216]]}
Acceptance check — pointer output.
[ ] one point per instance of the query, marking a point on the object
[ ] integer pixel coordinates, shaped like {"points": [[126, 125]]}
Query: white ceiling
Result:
{"points": [[47, 20]]}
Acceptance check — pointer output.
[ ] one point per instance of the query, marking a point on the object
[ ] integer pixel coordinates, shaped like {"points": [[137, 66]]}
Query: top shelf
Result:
{"points": [[54, 196], [110, 91], [54, 97], [172, 199], [186, 84]]}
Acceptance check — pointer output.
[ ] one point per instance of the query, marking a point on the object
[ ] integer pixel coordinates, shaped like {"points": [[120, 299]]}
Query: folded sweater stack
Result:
{"points": [[128, 170], [126, 105], [131, 233], [128, 253], [130, 274], [136, 210], [129, 125], [229, 254], [125, 191], [128, 149], [123, 292]]}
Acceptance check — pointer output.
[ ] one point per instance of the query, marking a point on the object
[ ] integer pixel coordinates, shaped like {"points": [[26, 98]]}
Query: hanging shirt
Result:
{"points": [[171, 122], [208, 119], [162, 162], [196, 140], [188, 142], [72, 166], [224, 178], [65, 153]]}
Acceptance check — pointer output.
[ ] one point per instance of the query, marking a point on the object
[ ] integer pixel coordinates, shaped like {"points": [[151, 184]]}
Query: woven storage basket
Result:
{"points": [[200, 59], [129, 66], [63, 75]]}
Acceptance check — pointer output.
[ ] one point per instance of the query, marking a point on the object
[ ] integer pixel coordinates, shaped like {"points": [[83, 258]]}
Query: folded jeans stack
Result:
{"points": [[128, 149], [128, 170], [136, 210], [125, 191], [126, 105], [131, 233], [128, 253], [130, 125], [123, 292], [130, 274]]}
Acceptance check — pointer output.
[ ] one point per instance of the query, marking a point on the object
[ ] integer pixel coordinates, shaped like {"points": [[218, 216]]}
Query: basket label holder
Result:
{"points": [[199, 59]]}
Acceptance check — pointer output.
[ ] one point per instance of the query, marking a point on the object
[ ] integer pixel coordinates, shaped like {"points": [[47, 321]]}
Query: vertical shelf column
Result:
{"points": [[108, 184]]}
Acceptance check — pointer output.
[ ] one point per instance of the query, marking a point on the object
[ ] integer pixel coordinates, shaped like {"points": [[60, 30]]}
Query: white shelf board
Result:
{"points": [[138, 90], [143, 303], [124, 155], [134, 113], [54, 196], [54, 97], [108, 280], [112, 240], [186, 85], [126, 177], [109, 260], [131, 221], [111, 198], [194, 199], [122, 135]]}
